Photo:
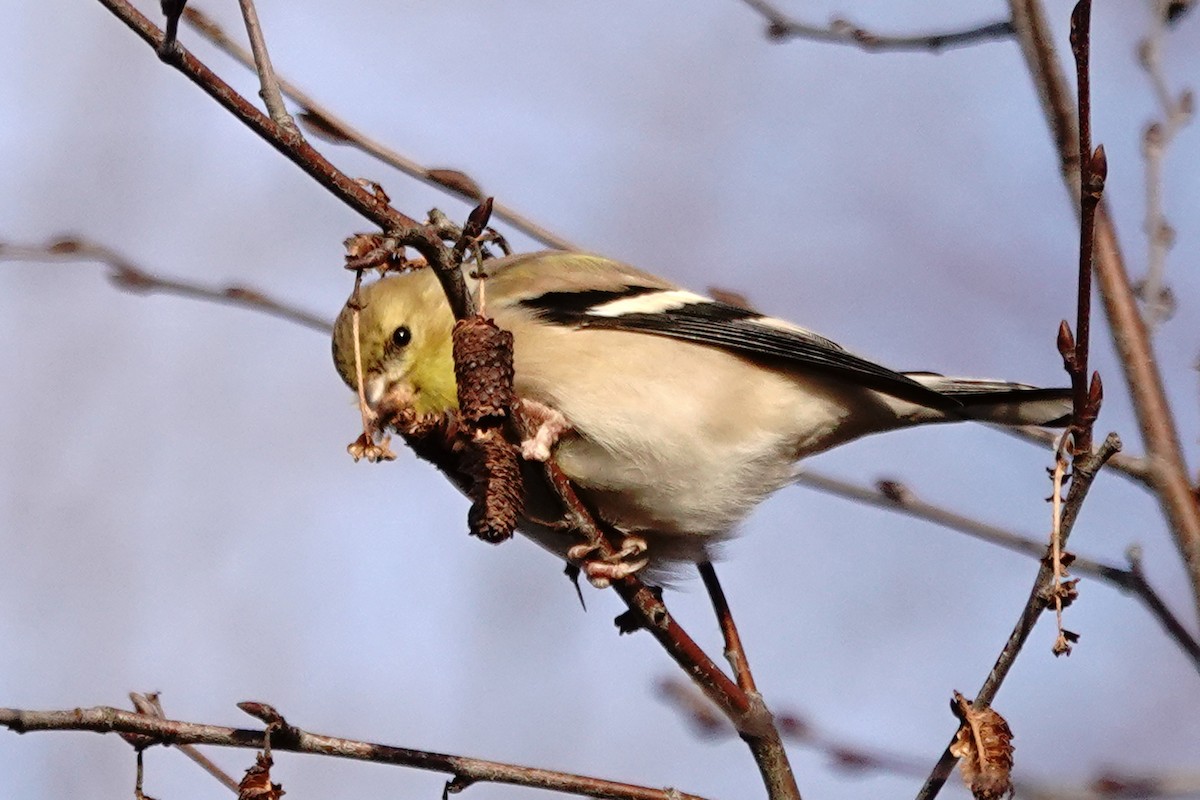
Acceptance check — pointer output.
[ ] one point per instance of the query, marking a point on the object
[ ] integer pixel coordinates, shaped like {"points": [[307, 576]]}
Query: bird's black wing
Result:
{"points": [[694, 318]]}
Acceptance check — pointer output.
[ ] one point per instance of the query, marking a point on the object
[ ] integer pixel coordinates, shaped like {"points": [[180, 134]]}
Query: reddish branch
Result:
{"points": [[735, 653], [746, 711]]}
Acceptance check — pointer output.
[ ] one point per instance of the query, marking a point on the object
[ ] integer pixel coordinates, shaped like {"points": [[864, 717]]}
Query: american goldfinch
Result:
{"points": [[674, 414]]}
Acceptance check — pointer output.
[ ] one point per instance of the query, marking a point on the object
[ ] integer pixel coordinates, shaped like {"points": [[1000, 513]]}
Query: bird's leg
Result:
{"points": [[541, 428], [601, 572]]}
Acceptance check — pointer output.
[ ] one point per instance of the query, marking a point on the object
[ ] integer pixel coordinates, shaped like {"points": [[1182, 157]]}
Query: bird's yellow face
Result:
{"points": [[404, 341]]}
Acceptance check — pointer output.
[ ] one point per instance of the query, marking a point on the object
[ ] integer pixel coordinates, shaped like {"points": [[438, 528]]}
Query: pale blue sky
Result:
{"points": [[177, 511]]}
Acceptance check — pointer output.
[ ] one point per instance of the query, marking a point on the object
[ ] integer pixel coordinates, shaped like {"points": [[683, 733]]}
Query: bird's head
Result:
{"points": [[404, 334]]}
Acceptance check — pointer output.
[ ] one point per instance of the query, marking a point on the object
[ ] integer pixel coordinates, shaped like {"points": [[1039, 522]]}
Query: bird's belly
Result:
{"points": [[663, 450]]}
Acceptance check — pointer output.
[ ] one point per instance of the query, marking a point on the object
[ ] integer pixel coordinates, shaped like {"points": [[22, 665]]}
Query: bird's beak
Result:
{"points": [[374, 390]]}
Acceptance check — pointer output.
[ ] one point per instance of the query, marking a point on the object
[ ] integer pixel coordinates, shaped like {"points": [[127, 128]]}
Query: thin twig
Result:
{"points": [[1133, 467], [747, 712], [1131, 338], [1084, 470], [150, 705], [781, 27], [1093, 170], [266, 74], [735, 653], [334, 128], [1156, 296], [299, 152], [125, 275], [895, 496], [103, 719]]}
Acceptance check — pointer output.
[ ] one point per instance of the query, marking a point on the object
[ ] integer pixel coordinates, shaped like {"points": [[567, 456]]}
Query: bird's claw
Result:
{"points": [[601, 572], [550, 426]]}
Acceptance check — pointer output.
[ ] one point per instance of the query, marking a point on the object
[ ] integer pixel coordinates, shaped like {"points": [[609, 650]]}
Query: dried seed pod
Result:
{"points": [[483, 368], [497, 491], [984, 745], [484, 371]]}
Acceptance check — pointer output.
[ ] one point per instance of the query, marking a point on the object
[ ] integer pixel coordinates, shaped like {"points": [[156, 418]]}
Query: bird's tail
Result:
{"points": [[1001, 402]]}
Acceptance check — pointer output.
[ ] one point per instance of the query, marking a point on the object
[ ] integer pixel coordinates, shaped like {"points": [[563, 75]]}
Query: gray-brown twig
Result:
{"points": [[324, 122], [781, 27], [103, 719], [1084, 470], [1175, 112], [895, 496], [270, 93], [132, 278]]}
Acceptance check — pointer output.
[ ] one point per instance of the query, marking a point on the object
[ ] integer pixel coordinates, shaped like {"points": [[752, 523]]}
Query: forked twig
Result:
{"points": [[747, 712], [1084, 472], [329, 125], [266, 73], [1170, 476]]}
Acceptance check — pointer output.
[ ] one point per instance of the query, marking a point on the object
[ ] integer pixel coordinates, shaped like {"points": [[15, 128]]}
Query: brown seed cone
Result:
{"points": [[497, 491], [484, 371]]}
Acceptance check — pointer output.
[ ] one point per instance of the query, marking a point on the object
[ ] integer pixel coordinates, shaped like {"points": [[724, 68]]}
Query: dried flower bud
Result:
{"points": [[984, 743]]}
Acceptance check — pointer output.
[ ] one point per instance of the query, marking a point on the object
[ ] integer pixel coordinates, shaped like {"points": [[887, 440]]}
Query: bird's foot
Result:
{"points": [[548, 424], [601, 572]]}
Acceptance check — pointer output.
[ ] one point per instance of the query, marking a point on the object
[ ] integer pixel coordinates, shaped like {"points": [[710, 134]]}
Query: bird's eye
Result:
{"points": [[401, 336]]}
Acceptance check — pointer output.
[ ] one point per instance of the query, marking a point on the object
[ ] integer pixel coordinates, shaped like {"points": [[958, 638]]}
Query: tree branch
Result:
{"points": [[894, 496], [781, 27], [1130, 336], [294, 148], [104, 719], [1084, 470], [330, 126]]}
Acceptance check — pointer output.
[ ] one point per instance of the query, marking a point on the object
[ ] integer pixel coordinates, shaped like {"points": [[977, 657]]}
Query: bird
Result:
{"points": [[673, 414]]}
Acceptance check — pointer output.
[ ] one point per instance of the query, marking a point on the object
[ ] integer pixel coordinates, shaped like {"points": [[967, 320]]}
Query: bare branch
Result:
{"points": [[104, 719], [1085, 468], [125, 275], [266, 73], [1176, 112], [299, 152], [1130, 336], [335, 129], [781, 27], [1093, 170]]}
